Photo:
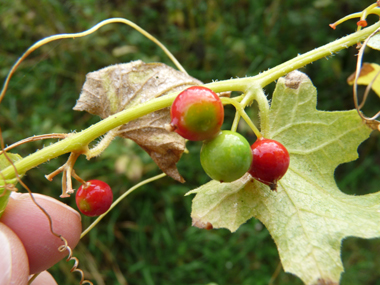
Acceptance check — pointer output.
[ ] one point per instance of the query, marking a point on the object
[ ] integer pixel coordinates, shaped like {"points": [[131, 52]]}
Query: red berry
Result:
{"points": [[269, 163], [197, 114], [94, 198]]}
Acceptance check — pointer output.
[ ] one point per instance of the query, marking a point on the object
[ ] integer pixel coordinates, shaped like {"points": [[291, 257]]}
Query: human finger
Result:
{"points": [[32, 227], [44, 278], [14, 267]]}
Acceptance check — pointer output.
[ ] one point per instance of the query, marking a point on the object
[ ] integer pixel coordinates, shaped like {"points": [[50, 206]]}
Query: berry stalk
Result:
{"points": [[118, 200], [247, 99], [244, 115]]}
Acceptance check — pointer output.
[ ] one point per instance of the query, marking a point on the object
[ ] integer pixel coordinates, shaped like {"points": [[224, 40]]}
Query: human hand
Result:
{"points": [[27, 245]]}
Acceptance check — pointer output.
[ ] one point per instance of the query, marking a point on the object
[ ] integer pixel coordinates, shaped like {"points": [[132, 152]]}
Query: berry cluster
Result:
{"points": [[197, 114]]}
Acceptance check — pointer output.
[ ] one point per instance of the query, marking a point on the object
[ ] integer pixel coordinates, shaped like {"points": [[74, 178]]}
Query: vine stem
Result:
{"points": [[34, 138], [83, 34], [79, 141], [266, 77]]}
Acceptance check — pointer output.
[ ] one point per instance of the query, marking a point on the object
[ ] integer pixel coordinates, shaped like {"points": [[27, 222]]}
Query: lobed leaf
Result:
{"points": [[374, 42], [309, 216]]}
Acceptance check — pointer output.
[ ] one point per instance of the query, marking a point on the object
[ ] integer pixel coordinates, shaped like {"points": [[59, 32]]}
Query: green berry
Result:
{"points": [[226, 157]]}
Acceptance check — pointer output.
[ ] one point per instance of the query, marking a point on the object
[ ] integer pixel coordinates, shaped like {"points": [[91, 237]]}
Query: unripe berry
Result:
{"points": [[197, 114], [227, 157]]}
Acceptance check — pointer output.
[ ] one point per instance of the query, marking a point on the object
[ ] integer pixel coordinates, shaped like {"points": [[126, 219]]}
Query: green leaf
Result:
{"points": [[374, 42], [309, 216], [4, 184]]}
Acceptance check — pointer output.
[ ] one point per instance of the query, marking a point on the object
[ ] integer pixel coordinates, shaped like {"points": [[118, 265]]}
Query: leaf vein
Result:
{"points": [[311, 150]]}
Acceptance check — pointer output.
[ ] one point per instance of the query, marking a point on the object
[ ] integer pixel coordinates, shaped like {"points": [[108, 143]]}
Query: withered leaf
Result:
{"points": [[373, 124], [123, 86]]}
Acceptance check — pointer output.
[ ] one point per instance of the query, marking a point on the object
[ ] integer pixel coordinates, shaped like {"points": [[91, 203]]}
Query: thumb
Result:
{"points": [[14, 267], [31, 225]]}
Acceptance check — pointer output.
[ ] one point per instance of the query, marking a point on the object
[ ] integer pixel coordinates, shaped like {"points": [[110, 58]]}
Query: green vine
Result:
{"points": [[78, 142]]}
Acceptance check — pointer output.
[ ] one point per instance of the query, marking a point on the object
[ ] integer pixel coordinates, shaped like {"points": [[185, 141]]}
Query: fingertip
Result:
{"points": [[32, 227], [44, 278]]}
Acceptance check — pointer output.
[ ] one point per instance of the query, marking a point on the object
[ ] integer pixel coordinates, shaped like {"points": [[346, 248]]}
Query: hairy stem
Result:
{"points": [[263, 79], [80, 141], [102, 145], [264, 111], [246, 100]]}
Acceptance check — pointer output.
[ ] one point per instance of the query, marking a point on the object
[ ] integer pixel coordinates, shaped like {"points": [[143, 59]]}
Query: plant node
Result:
{"points": [[68, 172]]}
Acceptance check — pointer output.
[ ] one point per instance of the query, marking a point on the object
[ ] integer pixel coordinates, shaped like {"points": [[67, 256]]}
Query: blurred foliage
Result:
{"points": [[148, 238]]}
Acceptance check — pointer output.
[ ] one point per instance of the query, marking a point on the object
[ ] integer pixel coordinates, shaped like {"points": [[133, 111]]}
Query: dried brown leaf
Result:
{"points": [[123, 86], [373, 124]]}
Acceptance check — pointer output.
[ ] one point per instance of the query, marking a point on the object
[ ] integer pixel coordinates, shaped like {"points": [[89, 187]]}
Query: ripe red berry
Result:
{"points": [[94, 198], [270, 162], [197, 114]]}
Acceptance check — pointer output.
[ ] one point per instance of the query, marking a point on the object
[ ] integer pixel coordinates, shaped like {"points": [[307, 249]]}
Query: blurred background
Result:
{"points": [[148, 238]]}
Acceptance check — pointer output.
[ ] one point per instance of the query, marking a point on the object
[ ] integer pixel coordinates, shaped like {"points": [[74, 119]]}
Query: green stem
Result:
{"points": [[102, 145], [242, 113], [246, 100], [263, 79], [264, 111], [256, 93], [79, 141]]}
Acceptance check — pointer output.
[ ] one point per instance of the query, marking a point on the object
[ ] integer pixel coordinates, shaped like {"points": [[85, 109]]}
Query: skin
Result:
{"points": [[26, 244]]}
